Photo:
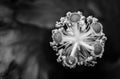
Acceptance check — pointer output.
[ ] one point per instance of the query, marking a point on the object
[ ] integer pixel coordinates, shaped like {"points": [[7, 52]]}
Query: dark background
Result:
{"points": [[41, 15]]}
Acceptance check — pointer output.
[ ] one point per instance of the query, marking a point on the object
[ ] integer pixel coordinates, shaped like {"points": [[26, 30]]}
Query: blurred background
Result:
{"points": [[34, 19]]}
